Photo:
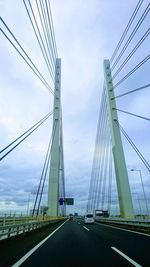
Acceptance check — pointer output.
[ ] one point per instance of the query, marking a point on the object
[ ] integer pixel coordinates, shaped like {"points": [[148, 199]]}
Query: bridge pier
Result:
{"points": [[124, 194], [54, 174]]}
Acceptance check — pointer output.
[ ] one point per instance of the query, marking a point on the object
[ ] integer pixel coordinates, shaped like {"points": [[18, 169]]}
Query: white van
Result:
{"points": [[89, 218]]}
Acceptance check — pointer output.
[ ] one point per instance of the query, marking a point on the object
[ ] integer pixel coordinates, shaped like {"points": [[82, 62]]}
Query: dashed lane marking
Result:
{"points": [[86, 228], [126, 257]]}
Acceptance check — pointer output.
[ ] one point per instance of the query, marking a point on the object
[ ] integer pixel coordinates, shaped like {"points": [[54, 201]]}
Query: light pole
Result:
{"points": [[142, 189], [28, 205], [30, 201], [139, 206], [136, 198]]}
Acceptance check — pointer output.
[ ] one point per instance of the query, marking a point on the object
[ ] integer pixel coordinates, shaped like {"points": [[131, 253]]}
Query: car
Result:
{"points": [[70, 217], [89, 218]]}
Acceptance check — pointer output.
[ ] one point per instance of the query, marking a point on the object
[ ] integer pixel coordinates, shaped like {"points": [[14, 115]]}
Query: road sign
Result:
{"points": [[61, 201], [69, 201]]}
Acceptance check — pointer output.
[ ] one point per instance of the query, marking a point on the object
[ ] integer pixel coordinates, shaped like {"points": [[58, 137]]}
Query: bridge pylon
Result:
{"points": [[124, 193], [56, 187]]}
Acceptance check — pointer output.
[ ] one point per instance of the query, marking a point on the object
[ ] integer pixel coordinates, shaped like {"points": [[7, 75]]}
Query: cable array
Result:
{"points": [[39, 38], [133, 70], [40, 189], [24, 135], [135, 12], [135, 30], [132, 91], [101, 176], [124, 44], [119, 52], [145, 60], [21, 51], [42, 24], [40, 17], [132, 52], [132, 114], [39, 194], [147, 165], [124, 57]]}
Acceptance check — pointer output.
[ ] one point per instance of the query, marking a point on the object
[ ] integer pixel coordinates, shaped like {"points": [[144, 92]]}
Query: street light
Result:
{"points": [[142, 189], [29, 201], [28, 204], [138, 200]]}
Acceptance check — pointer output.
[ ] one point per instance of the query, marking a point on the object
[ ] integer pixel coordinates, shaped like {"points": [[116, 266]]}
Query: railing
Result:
{"points": [[11, 229], [8, 220], [133, 224]]}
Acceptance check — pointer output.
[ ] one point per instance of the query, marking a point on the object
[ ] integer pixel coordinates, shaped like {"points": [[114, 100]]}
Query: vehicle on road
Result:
{"points": [[101, 213], [70, 217], [89, 218]]}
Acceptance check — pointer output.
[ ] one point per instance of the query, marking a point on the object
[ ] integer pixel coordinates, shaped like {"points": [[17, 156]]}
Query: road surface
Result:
{"points": [[74, 244]]}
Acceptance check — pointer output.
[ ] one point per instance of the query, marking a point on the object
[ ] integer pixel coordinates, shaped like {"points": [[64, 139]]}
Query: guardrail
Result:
{"points": [[133, 224], [21, 228], [8, 220]]}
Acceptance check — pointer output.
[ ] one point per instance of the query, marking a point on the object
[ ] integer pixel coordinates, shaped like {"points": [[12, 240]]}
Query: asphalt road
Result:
{"points": [[75, 244]]}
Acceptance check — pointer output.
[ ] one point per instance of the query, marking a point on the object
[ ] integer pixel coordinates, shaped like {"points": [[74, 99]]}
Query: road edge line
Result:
{"points": [[123, 229], [28, 254]]}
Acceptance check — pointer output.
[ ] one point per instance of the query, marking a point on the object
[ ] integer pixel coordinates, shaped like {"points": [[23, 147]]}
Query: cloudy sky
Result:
{"points": [[87, 32]]}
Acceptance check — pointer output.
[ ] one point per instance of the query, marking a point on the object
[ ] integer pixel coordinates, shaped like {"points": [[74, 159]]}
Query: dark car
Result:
{"points": [[70, 217]]}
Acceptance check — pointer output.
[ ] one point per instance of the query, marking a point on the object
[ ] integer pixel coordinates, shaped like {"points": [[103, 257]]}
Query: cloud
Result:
{"points": [[86, 33]]}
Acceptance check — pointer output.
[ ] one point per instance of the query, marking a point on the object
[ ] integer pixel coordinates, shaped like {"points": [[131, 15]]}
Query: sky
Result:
{"points": [[87, 32]]}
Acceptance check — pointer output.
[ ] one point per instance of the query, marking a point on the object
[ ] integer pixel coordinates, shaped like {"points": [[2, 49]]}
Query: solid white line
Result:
{"points": [[86, 228], [126, 257], [18, 263], [116, 227]]}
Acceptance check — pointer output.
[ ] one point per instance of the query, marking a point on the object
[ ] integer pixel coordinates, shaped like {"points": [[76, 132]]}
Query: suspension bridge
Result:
{"points": [[46, 237]]}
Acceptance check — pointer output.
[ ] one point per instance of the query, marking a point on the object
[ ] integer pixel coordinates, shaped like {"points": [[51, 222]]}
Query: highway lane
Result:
{"points": [[77, 245], [135, 245], [17, 246]]}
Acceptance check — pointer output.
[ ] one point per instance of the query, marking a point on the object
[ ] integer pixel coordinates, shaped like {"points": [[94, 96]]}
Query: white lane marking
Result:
{"points": [[126, 257], [18, 263], [86, 228], [123, 229]]}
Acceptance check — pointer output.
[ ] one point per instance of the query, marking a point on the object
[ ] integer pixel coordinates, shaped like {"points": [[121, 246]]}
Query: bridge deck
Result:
{"points": [[75, 245]]}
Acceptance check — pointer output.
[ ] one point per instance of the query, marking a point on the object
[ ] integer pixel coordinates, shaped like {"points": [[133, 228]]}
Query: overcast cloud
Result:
{"points": [[87, 32]]}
